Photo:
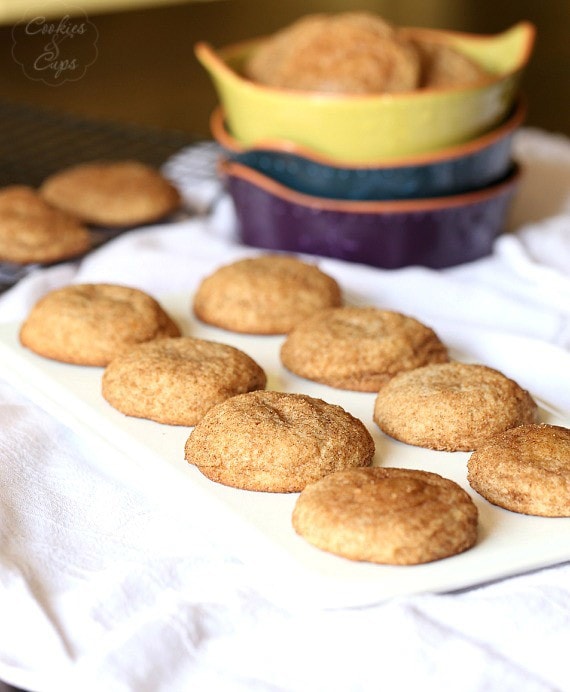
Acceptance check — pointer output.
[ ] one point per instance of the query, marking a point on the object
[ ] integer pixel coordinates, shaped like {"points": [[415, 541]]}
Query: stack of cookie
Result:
{"points": [[66, 216], [253, 434], [356, 53]]}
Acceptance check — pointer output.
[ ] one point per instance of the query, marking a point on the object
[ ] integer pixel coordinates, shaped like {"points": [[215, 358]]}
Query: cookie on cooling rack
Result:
{"points": [[268, 294], [31, 230], [176, 381], [451, 406], [387, 515], [112, 193], [277, 442], [90, 324], [359, 348], [525, 469]]}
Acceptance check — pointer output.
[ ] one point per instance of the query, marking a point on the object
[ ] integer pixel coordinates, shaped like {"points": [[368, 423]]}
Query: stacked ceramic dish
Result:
{"points": [[420, 177]]}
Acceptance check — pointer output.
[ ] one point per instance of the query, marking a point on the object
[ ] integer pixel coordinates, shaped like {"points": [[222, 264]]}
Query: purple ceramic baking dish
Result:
{"points": [[434, 232]]}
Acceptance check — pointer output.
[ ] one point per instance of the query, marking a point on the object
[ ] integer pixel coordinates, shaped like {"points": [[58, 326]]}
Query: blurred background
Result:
{"points": [[144, 72]]}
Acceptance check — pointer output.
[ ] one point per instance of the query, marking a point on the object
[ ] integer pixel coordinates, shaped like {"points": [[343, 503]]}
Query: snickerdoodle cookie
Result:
{"points": [[112, 193], [90, 324], [31, 230], [277, 442], [387, 515], [451, 406], [268, 294], [359, 348], [348, 52], [175, 381], [442, 66], [525, 469]]}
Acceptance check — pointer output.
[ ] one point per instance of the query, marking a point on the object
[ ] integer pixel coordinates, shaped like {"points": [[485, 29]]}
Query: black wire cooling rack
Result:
{"points": [[35, 142]]}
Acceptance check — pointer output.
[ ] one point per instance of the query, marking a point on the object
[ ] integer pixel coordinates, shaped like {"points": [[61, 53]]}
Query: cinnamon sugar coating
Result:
{"points": [[176, 381], [359, 348], [33, 231], [112, 193], [451, 406], [525, 469], [268, 294], [90, 324], [387, 515], [277, 442]]}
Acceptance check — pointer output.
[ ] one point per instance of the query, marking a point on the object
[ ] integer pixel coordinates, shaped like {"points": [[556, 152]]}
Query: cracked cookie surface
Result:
{"points": [[277, 442]]}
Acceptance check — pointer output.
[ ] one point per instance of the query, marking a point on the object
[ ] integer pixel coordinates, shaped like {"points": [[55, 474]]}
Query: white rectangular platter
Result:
{"points": [[289, 568]]}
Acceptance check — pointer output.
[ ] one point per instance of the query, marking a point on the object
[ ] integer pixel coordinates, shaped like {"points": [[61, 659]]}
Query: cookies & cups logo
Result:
{"points": [[55, 50]]}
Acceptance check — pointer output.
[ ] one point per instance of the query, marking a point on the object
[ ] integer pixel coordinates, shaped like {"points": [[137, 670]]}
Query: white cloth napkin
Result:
{"points": [[111, 580]]}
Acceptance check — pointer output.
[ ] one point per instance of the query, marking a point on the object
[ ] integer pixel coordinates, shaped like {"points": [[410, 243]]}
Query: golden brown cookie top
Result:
{"points": [[277, 441], [451, 406], [359, 348], [349, 52], [31, 230], [442, 66], [268, 294], [177, 380], [525, 469], [90, 324], [387, 515], [112, 193]]}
